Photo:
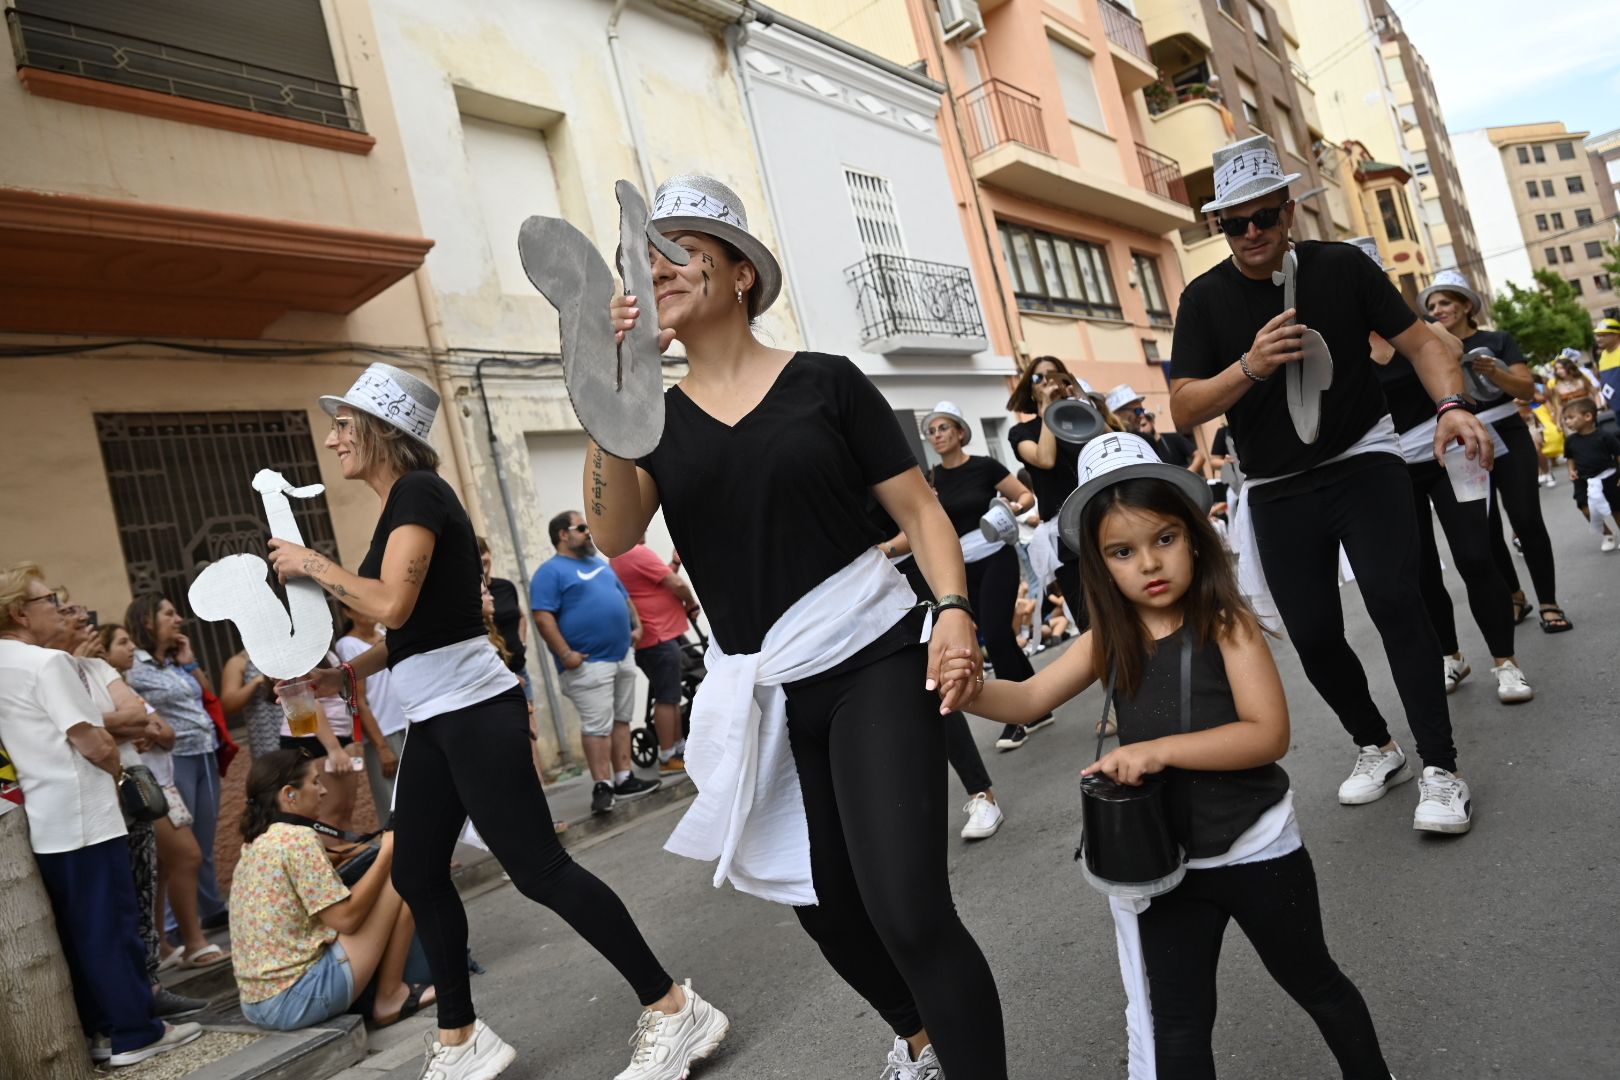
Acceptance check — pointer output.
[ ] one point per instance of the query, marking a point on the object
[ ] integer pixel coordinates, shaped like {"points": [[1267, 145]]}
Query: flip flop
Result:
{"points": [[205, 957], [172, 961], [412, 1006]]}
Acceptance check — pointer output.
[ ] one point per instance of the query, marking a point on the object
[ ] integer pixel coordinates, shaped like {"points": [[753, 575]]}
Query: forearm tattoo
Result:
{"points": [[598, 483], [315, 566]]}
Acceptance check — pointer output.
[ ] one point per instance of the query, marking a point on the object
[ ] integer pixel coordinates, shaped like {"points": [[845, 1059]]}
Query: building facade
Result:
{"points": [[206, 223]]}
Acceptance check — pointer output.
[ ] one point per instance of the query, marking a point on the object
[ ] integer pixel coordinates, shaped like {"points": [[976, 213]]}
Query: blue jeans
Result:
{"points": [[197, 777], [322, 992]]}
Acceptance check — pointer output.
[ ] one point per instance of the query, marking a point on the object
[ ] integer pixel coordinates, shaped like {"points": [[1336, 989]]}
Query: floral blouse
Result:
{"points": [[282, 884]]}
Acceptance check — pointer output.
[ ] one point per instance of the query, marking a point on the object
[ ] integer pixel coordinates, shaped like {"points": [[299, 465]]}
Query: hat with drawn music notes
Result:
{"points": [[393, 396], [1247, 170], [702, 204], [1113, 458]]}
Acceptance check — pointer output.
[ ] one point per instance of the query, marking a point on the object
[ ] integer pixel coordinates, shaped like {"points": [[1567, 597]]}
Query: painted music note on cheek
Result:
{"points": [[284, 642]]}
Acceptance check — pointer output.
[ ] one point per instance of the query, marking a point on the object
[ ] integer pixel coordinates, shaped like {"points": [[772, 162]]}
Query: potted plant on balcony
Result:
{"points": [[1194, 91], [1158, 96]]}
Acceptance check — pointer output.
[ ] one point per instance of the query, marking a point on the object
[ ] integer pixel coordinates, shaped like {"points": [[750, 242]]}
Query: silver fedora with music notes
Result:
{"points": [[1114, 458], [1247, 170], [393, 396], [702, 204]]}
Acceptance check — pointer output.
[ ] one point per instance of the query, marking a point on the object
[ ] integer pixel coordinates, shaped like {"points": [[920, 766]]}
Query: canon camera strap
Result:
{"points": [[327, 830]]}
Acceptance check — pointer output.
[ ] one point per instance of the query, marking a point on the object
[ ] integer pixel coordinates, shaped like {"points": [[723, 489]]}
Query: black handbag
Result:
{"points": [[141, 795]]}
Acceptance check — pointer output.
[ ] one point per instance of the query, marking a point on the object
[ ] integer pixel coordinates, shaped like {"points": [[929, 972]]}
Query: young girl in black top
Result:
{"points": [[1163, 601]]}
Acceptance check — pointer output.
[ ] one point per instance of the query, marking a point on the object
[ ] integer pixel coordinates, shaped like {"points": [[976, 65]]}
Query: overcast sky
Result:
{"points": [[1498, 62]]}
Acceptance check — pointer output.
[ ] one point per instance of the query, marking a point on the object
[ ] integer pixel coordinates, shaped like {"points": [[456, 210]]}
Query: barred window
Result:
{"points": [[875, 216]]}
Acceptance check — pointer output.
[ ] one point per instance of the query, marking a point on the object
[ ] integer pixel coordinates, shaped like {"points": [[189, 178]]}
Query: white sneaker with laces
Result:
{"points": [[482, 1057], [984, 818], [1457, 670], [899, 1065], [666, 1045], [1607, 545], [174, 1037], [1444, 804], [1375, 773], [1511, 687]]}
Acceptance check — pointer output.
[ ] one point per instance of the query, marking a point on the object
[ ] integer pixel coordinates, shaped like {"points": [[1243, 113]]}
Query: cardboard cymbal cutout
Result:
{"points": [[1482, 387], [283, 642], [1308, 378], [617, 390]]}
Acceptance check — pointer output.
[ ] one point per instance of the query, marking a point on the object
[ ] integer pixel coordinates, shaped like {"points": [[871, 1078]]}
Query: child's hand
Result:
{"points": [[1128, 764], [957, 669]]}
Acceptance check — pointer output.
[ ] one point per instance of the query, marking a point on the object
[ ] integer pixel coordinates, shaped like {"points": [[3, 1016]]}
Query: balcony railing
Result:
{"points": [[897, 296], [1161, 174], [109, 56], [1125, 30], [1197, 234], [998, 112]]}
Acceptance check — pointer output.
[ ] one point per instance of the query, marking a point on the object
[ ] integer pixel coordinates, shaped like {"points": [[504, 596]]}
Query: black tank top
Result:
{"points": [[1208, 810]]}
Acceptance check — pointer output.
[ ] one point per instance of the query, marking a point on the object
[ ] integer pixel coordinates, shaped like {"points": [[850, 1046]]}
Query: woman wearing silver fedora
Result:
{"points": [[467, 751], [817, 745]]}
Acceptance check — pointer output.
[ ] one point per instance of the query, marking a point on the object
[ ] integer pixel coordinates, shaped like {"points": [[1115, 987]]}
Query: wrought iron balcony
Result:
{"points": [[1161, 174], [900, 300], [998, 112], [1125, 30], [109, 56]]}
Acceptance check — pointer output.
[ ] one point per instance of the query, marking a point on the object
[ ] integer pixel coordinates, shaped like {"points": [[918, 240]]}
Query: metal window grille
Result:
{"points": [[875, 217], [182, 496]]}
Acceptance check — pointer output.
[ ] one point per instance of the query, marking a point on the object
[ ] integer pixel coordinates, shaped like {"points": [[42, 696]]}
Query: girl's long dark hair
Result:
{"points": [[140, 618], [1213, 607], [1022, 399], [270, 773]]}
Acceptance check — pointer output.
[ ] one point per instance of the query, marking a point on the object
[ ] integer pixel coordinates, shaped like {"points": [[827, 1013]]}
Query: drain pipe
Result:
{"points": [[536, 658], [632, 116]]}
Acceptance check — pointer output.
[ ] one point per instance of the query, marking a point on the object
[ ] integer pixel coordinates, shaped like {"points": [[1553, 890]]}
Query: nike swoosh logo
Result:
{"points": [[583, 576]]}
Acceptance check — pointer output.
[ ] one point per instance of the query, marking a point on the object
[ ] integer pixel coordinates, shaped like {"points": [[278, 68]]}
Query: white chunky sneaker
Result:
{"points": [[1375, 773], [900, 1066], [1511, 687], [1444, 805], [1607, 545], [984, 818], [1457, 670], [665, 1046], [482, 1057]]}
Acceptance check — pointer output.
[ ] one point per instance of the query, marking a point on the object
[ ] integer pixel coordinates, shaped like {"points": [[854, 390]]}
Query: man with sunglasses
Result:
{"points": [[585, 617], [1349, 486]]}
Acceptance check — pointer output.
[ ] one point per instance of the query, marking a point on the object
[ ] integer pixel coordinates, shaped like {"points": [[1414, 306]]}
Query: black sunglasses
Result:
{"points": [[580, 528], [1261, 219]]}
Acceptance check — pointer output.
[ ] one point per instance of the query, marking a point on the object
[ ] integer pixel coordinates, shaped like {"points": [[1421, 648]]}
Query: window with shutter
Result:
{"points": [[875, 217], [1079, 87]]}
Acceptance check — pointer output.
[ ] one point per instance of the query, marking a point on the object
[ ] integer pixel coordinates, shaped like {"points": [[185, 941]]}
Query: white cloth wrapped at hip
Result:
{"points": [[1043, 552], [1597, 504], [749, 812], [976, 547]]}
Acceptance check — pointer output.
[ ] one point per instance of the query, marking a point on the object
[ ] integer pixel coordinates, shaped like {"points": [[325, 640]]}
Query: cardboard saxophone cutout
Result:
{"points": [[1308, 378], [283, 642], [617, 390]]}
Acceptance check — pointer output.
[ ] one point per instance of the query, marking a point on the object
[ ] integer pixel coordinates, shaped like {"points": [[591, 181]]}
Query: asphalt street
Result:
{"points": [[1489, 955]]}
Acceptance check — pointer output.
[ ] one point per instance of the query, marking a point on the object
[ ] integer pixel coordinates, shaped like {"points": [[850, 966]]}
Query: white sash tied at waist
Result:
{"points": [[976, 547], [1044, 556], [1417, 444], [1597, 504], [748, 816]]}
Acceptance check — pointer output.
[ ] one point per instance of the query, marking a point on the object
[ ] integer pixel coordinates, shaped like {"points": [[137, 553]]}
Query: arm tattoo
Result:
{"points": [[315, 565], [416, 571], [598, 483], [335, 588]]}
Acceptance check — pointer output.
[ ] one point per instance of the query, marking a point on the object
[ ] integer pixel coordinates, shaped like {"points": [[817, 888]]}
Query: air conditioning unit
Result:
{"points": [[961, 20]]}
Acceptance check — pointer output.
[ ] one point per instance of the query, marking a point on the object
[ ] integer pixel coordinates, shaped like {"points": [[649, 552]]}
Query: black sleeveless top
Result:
{"points": [[1208, 810]]}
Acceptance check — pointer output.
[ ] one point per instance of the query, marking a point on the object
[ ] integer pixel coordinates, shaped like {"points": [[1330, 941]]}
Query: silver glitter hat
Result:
{"points": [[1247, 170], [393, 396], [702, 204], [1452, 281]]}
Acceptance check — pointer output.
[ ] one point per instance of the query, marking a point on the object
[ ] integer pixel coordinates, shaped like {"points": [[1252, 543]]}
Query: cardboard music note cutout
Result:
{"points": [[282, 643], [1308, 378], [617, 390]]}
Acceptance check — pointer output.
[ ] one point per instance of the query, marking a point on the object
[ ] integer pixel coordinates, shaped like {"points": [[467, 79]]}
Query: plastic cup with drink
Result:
{"points": [[1469, 480], [299, 704]]}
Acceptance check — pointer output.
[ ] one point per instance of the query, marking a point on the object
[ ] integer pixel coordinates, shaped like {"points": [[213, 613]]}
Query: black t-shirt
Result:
{"points": [[1591, 453], [1208, 810], [1506, 349], [1052, 485], [1342, 295], [764, 511], [1174, 449], [965, 491], [1218, 445], [509, 619], [448, 609], [1409, 402]]}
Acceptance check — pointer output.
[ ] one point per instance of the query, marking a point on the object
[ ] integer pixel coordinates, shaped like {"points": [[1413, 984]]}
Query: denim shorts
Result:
{"points": [[322, 992], [661, 664]]}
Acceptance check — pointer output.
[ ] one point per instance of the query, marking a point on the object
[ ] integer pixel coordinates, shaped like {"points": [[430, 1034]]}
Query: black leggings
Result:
{"points": [[1068, 582], [869, 746], [476, 762], [1370, 512], [959, 745], [993, 590], [1468, 534], [1276, 905], [1516, 487]]}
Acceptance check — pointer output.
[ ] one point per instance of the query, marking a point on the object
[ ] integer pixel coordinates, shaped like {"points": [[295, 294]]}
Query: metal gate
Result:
{"points": [[182, 494]]}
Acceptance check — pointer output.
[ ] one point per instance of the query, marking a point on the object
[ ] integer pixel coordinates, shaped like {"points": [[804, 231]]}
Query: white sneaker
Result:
{"points": [[1607, 545], [1511, 687], [899, 1065], [482, 1057], [984, 818], [100, 1049], [174, 1037], [665, 1046], [1550, 480], [1375, 773], [1444, 805], [1457, 670]]}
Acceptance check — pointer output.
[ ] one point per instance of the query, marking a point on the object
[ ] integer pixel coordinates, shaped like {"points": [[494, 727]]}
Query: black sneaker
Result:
{"points": [[634, 787], [1038, 724], [1012, 737], [168, 1005], [601, 797]]}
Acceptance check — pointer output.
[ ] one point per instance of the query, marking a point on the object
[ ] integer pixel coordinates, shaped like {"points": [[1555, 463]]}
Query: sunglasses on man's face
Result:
{"points": [[1261, 219], [580, 528]]}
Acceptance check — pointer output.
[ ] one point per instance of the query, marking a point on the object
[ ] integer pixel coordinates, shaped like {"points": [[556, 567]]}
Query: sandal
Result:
{"points": [[1107, 728], [412, 1006], [1521, 611], [1556, 623], [205, 957], [172, 961]]}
